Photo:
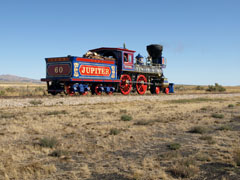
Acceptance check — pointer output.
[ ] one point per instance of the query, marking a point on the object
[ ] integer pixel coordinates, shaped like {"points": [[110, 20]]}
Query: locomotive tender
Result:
{"points": [[107, 70]]}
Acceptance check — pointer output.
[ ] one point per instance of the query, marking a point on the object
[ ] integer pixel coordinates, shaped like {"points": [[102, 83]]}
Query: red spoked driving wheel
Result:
{"points": [[97, 90], [141, 85], [125, 84]]}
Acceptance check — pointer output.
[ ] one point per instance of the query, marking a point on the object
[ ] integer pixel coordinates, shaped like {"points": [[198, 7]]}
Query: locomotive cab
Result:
{"points": [[124, 57]]}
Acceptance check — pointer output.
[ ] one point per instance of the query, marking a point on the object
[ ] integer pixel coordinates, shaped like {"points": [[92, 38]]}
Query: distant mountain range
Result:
{"points": [[12, 78]]}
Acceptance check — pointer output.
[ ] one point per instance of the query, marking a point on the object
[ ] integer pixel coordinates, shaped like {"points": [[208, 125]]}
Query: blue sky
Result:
{"points": [[201, 38]]}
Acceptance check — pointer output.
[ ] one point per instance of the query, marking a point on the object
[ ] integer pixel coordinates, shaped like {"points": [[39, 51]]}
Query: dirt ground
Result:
{"points": [[131, 138]]}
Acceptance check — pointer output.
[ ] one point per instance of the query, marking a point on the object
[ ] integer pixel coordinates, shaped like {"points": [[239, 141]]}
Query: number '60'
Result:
{"points": [[58, 70]]}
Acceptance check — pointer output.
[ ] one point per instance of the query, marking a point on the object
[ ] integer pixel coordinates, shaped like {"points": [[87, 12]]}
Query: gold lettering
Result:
{"points": [[83, 70], [56, 70], [107, 71], [88, 70], [60, 69], [92, 70]]}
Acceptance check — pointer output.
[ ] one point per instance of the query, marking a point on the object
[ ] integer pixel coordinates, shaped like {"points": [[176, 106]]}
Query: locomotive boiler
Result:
{"points": [[107, 70]]}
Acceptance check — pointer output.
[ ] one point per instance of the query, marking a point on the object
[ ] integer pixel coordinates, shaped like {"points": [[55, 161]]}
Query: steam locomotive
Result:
{"points": [[107, 70]]}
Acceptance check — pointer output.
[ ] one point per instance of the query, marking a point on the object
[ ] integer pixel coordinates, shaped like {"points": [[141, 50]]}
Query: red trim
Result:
{"points": [[111, 80], [96, 60], [57, 59], [118, 49]]}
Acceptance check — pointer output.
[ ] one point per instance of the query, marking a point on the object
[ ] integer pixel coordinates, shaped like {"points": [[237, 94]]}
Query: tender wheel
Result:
{"points": [[97, 91], [166, 90], [110, 92], [141, 86], [125, 84], [69, 91], [155, 90], [84, 94]]}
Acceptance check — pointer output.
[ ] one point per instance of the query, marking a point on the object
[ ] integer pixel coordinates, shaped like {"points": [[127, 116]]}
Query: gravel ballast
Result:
{"points": [[82, 100]]}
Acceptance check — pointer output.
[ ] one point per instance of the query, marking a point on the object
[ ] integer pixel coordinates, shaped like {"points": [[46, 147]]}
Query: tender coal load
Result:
{"points": [[155, 51]]}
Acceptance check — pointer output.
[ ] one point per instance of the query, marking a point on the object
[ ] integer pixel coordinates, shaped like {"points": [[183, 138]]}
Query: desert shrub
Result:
{"points": [[194, 100], [209, 139], [35, 102], [198, 130], [231, 105], [215, 88], [39, 89], [206, 138], [55, 112], [203, 109], [170, 155], [236, 118], [144, 122], [48, 142], [179, 88], [59, 153], [185, 168], [7, 115], [219, 116], [224, 128], [174, 146], [114, 131], [10, 89], [126, 117], [2, 93], [202, 157], [199, 88], [236, 156], [123, 111]]}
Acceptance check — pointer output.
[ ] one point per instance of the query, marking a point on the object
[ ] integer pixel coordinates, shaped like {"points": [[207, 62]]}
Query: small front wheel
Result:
{"points": [[166, 90]]}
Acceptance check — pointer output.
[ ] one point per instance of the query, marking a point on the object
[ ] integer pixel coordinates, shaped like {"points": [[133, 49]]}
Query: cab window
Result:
{"points": [[127, 57]]}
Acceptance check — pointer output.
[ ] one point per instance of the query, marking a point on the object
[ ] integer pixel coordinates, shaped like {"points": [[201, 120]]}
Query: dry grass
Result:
{"points": [[126, 140], [22, 89], [236, 156], [183, 89], [184, 168]]}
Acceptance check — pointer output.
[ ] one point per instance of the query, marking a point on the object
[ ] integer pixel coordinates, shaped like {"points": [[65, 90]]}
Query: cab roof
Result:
{"points": [[114, 49]]}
